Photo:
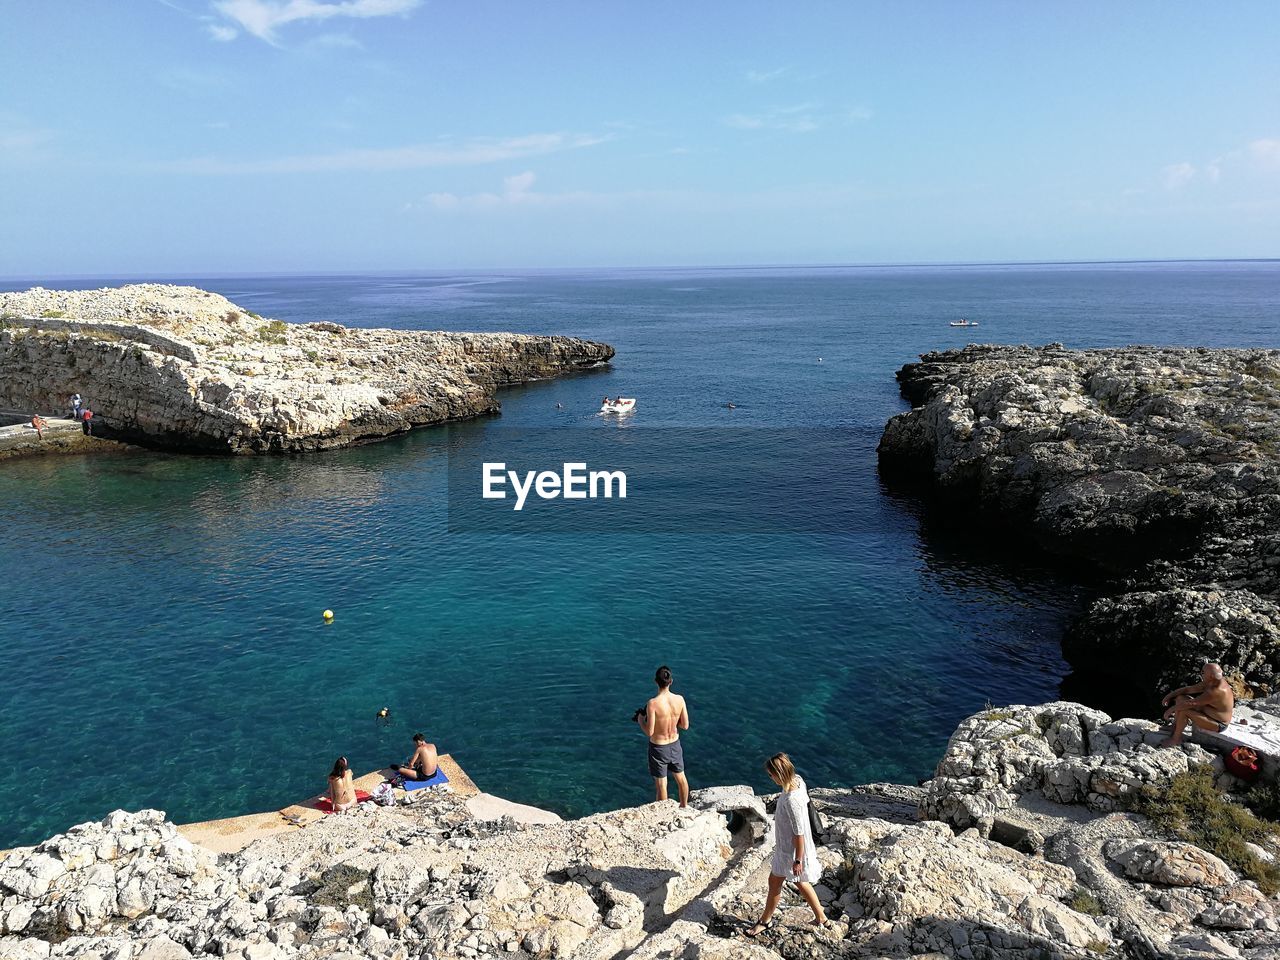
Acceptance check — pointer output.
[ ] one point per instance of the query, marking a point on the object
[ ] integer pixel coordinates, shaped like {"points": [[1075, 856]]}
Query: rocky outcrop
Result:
{"points": [[1056, 780], [184, 368], [1167, 634], [922, 889], [1159, 467], [426, 880], [1065, 752], [656, 883]]}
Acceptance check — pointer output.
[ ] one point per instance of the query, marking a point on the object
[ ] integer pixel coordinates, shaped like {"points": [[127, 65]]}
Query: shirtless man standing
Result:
{"points": [[661, 720], [1208, 704]]}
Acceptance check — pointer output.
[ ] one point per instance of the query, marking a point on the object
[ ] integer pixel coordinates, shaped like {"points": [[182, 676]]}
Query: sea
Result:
{"points": [[161, 637]]}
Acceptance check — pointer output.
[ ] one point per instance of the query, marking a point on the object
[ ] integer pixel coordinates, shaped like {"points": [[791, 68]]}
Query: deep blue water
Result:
{"points": [[160, 633]]}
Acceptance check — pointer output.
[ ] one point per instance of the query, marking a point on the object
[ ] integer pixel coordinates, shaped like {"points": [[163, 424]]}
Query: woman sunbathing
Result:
{"points": [[342, 788]]}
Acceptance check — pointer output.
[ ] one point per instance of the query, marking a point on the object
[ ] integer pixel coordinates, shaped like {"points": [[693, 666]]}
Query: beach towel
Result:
{"points": [[325, 804], [1263, 741], [438, 779]]}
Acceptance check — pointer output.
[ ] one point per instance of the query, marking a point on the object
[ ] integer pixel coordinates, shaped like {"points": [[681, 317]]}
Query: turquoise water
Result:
{"points": [[160, 634]]}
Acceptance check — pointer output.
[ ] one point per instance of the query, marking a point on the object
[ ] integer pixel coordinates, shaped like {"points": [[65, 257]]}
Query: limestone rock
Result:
{"points": [[1170, 863], [1064, 751], [949, 893], [740, 803], [31, 875], [1160, 465], [185, 368], [162, 948], [656, 882]]}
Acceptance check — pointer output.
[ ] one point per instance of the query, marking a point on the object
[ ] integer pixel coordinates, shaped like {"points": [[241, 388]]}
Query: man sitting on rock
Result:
{"points": [[423, 764], [1207, 704]]}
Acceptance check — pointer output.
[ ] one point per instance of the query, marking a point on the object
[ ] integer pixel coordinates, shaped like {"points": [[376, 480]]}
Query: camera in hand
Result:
{"points": [[639, 714]]}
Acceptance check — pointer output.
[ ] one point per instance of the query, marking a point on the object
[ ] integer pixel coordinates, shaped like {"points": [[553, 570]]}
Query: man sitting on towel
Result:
{"points": [[422, 765], [1207, 704]]}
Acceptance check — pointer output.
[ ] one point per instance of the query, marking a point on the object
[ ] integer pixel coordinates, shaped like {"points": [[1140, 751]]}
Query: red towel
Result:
{"points": [[325, 804]]}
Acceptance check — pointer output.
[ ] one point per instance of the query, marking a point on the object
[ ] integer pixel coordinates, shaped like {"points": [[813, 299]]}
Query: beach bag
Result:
{"points": [[383, 795], [1243, 763], [817, 822]]}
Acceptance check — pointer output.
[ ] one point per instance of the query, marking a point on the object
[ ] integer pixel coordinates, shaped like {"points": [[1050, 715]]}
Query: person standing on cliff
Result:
{"points": [[76, 404], [86, 422], [1209, 705], [662, 719]]}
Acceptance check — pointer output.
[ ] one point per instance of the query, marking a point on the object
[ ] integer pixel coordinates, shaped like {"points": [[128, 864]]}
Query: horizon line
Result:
{"points": [[419, 271]]}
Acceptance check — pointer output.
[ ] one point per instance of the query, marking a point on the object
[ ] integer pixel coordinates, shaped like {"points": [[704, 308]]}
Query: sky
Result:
{"points": [[154, 137]]}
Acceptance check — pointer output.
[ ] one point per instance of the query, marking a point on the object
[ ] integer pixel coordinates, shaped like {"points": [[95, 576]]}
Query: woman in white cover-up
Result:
{"points": [[795, 856]]}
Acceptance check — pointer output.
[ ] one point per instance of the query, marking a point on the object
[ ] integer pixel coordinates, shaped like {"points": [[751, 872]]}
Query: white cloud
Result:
{"points": [[516, 190], [1258, 156], [335, 41], [1177, 175], [194, 81], [1266, 153], [799, 118], [786, 75], [518, 195], [442, 153], [22, 142], [262, 18], [222, 32], [520, 184], [795, 119]]}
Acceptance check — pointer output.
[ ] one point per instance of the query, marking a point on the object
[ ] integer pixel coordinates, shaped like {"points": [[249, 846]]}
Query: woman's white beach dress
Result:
{"points": [[791, 819]]}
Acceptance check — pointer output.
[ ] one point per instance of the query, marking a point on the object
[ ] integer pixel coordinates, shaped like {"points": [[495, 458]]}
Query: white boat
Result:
{"points": [[621, 405], [964, 323]]}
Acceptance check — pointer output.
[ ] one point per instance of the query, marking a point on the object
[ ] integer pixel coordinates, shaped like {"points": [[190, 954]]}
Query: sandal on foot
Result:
{"points": [[759, 928]]}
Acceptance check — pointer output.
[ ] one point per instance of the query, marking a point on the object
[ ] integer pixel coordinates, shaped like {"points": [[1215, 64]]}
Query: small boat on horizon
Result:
{"points": [[964, 323], [620, 405]]}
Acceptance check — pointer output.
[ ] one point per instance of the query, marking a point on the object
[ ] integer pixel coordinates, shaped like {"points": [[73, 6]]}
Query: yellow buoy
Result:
{"points": [[328, 615]]}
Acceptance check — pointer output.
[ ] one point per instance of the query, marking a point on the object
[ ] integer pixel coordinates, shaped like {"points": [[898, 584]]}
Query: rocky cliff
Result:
{"points": [[1025, 851], [184, 368], [1158, 467]]}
